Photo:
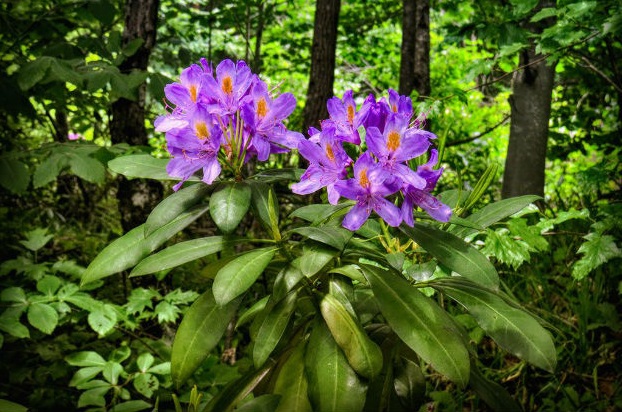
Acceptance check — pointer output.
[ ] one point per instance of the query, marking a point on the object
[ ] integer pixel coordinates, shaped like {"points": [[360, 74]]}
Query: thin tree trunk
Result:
{"points": [[422, 49], [322, 74], [407, 61], [136, 197], [258, 36], [530, 106]]}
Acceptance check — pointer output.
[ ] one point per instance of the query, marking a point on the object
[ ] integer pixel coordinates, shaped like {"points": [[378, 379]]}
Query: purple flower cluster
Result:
{"points": [[392, 138], [223, 118]]}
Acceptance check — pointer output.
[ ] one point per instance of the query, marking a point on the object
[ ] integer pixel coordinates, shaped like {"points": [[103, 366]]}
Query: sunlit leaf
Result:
{"points": [[174, 205], [229, 204]]}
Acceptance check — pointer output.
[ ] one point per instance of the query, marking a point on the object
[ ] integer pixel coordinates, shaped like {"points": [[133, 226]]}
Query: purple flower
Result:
{"points": [[328, 163], [421, 197], [195, 147], [74, 136], [230, 86], [398, 144], [369, 187], [264, 118], [401, 105], [345, 118]]}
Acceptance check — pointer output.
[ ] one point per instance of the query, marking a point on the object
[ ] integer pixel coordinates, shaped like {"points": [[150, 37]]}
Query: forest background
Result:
{"points": [[524, 92]]}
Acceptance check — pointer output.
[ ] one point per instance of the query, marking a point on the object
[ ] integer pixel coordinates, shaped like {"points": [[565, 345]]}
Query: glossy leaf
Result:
{"points": [[180, 253], [495, 212], [480, 187], [314, 258], [272, 328], [174, 205], [228, 205], [333, 384], [292, 384], [131, 248], [252, 311], [200, 330], [420, 323], [331, 236], [142, 166], [455, 253], [239, 274], [318, 213], [363, 354], [266, 206], [409, 384], [236, 391], [513, 329]]}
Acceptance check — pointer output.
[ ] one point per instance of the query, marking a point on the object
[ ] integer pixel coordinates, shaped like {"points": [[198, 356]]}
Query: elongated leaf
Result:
{"points": [[409, 384], [333, 384], [200, 330], [131, 248], [362, 353], [480, 187], [513, 329], [263, 403], [318, 213], [174, 205], [331, 236], [142, 166], [252, 311], [265, 205], [181, 253], [292, 384], [272, 328], [455, 253], [228, 205], [239, 274], [495, 212], [420, 323]]}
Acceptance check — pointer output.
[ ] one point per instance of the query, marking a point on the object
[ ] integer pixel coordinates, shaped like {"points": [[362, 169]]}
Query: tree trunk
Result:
{"points": [[530, 106], [322, 74], [415, 53], [136, 197]]}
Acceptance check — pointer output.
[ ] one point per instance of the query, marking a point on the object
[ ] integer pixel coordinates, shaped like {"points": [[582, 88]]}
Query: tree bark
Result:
{"points": [[415, 51], [136, 197], [530, 105], [322, 74]]}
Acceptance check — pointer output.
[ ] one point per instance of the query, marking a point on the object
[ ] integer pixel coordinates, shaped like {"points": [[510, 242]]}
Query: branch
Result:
{"points": [[601, 74], [484, 133]]}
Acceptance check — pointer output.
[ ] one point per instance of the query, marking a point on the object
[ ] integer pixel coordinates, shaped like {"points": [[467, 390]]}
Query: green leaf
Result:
{"points": [[480, 187], [84, 375], [314, 258], [33, 72], [14, 175], [239, 274], [131, 248], [331, 236], [13, 327], [180, 253], [513, 329], [200, 330], [103, 319], [48, 285], [13, 294], [291, 383], [363, 355], [146, 384], [252, 312], [597, 249], [420, 323], [95, 397], [85, 359], [174, 205], [318, 213], [494, 212], [36, 239], [237, 390], [263, 403], [131, 406], [272, 328], [87, 168], [8, 406], [333, 384], [544, 13], [142, 166], [409, 384], [166, 312], [228, 205], [265, 206], [43, 317], [454, 253]]}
